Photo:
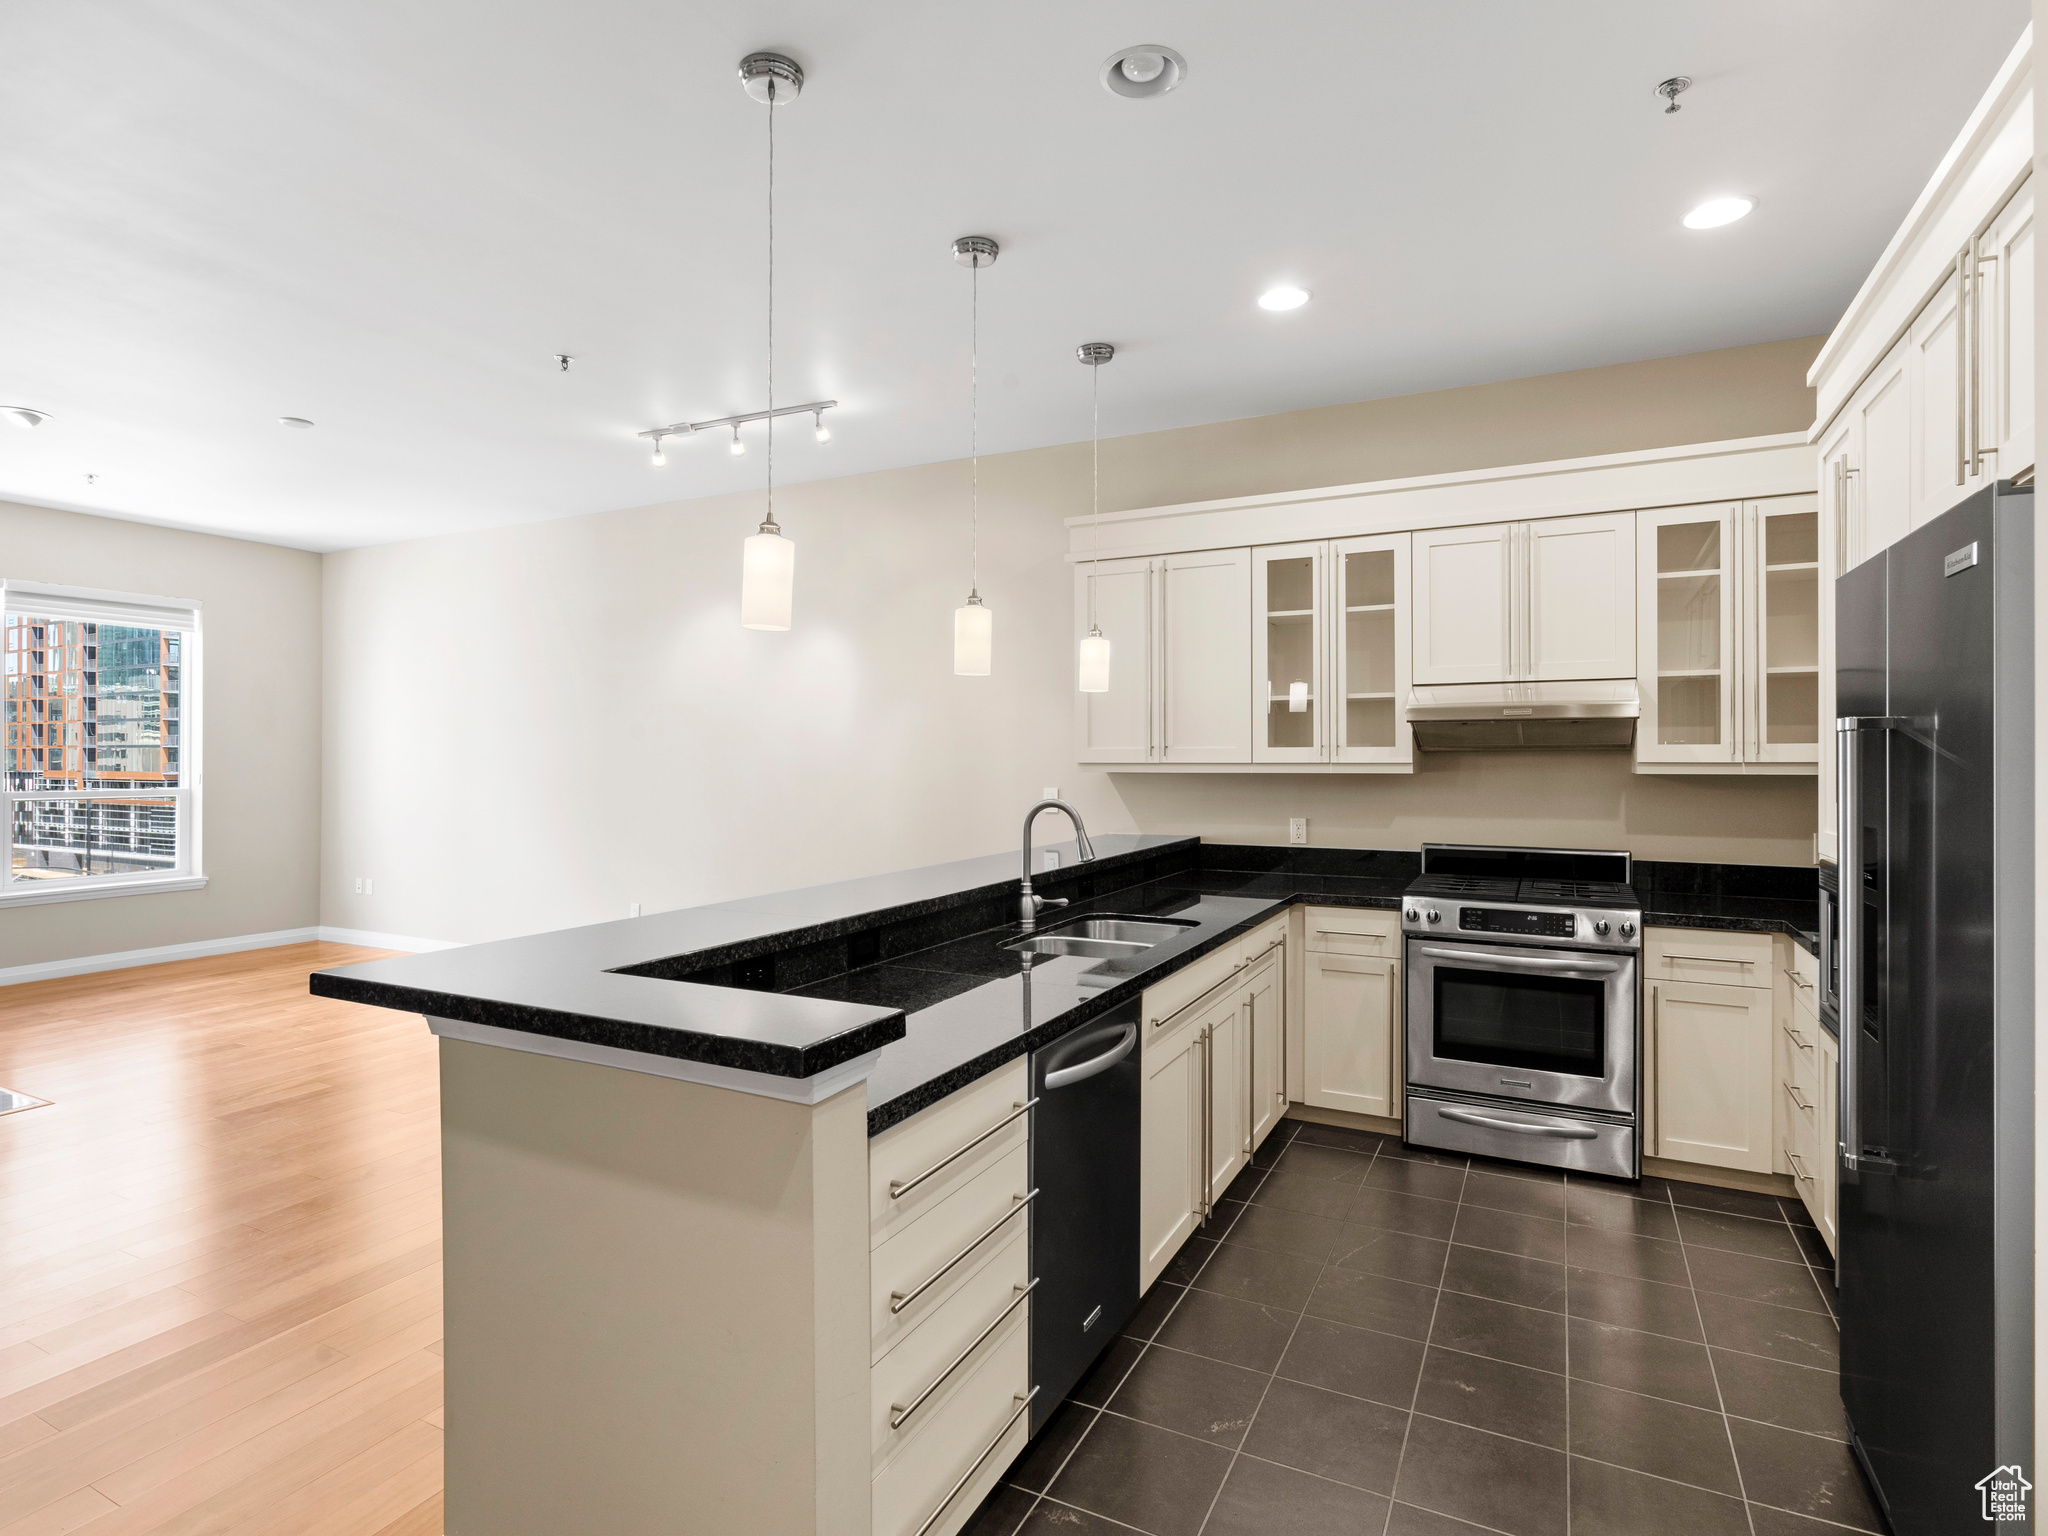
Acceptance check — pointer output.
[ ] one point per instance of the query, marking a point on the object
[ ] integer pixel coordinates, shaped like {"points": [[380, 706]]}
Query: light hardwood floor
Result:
{"points": [[220, 1276]]}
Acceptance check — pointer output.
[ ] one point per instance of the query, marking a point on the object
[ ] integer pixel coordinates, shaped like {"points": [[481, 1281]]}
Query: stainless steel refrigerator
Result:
{"points": [[1935, 690]]}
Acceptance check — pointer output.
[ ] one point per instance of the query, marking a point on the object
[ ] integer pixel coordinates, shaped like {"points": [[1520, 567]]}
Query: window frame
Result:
{"points": [[185, 615]]}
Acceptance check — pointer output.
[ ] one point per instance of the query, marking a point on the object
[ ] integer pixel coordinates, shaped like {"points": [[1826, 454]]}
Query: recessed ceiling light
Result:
{"points": [[293, 421], [1149, 69], [1717, 211], [22, 416], [1283, 297]]}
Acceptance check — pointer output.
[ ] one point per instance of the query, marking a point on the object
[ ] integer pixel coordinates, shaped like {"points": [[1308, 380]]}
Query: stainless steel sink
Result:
{"points": [[1102, 938]]}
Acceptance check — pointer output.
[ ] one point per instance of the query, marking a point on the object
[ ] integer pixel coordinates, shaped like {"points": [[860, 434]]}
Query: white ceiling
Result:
{"points": [[388, 215]]}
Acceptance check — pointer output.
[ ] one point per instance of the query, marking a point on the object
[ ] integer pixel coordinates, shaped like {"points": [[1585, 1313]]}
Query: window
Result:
{"points": [[99, 787]]}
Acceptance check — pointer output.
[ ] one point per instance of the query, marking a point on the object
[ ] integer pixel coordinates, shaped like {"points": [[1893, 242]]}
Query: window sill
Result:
{"points": [[42, 895]]}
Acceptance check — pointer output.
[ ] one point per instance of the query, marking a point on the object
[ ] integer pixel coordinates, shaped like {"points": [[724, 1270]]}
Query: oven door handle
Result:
{"points": [[1514, 962], [1520, 1128]]}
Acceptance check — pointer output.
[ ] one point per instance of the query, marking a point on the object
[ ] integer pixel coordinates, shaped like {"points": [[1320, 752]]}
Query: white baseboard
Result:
{"points": [[117, 960], [369, 940]]}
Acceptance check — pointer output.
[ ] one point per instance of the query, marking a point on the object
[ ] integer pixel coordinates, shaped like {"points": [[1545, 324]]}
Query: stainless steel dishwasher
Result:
{"points": [[1084, 1223]]}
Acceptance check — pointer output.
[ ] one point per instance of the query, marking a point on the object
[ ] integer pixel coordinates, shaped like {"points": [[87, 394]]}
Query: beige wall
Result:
{"points": [[262, 729], [532, 727]]}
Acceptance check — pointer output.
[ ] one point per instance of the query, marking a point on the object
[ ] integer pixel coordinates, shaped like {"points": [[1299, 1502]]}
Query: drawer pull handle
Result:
{"points": [[898, 1300], [1798, 1166], [1023, 1401], [1798, 980], [1797, 1098], [1797, 1038], [898, 1188], [1709, 959], [899, 1414]]}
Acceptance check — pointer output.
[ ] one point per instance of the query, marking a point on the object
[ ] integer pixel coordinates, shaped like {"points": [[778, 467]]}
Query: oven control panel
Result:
{"points": [[1543, 925]]}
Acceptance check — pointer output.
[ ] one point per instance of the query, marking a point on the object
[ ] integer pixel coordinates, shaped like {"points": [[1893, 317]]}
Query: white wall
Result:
{"points": [[262, 730], [533, 727]]}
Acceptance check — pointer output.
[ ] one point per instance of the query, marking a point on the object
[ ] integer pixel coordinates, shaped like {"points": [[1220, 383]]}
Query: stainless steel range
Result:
{"points": [[1522, 1012]]}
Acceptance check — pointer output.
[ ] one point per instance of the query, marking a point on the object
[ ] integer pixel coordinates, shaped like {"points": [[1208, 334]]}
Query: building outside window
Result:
{"points": [[99, 773]]}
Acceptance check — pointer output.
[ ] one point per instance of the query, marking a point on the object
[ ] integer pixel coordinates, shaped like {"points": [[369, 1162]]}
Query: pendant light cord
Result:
{"points": [[974, 419], [1095, 433], [770, 524]]}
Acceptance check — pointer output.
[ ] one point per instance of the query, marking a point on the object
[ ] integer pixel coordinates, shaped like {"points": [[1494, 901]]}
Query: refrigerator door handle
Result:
{"points": [[1849, 923]]}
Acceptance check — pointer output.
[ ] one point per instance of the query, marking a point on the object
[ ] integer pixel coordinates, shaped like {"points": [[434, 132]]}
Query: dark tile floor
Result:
{"points": [[1379, 1340]]}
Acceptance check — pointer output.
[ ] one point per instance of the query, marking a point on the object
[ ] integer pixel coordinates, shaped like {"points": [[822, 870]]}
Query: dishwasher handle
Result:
{"points": [[1064, 1077]]}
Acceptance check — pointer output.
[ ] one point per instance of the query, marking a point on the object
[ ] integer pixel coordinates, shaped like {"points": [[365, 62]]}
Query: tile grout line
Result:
{"points": [[1435, 1306], [1274, 1374], [1728, 1429]]}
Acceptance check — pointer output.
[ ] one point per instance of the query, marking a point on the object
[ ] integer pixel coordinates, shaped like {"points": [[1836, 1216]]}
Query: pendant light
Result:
{"points": [[1094, 661], [768, 566], [973, 623]]}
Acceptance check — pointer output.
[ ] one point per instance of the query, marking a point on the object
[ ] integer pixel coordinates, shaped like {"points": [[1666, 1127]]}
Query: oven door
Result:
{"points": [[1549, 1026]]}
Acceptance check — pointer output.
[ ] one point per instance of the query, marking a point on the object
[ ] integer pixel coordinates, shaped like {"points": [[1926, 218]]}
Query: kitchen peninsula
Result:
{"points": [[668, 1145]]}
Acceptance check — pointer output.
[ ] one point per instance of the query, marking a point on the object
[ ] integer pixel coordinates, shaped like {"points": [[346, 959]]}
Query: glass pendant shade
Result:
{"points": [[768, 576], [974, 627], [1095, 662]]}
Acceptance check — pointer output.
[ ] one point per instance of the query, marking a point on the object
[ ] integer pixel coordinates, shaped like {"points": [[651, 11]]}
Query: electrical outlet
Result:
{"points": [[1297, 829], [359, 885], [632, 909], [1052, 858], [1051, 792]]}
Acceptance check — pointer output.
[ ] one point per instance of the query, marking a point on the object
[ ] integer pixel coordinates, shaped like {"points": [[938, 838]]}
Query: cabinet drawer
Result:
{"points": [[1263, 938], [1186, 985], [1803, 976], [914, 1166], [1353, 931], [913, 1273], [941, 1473], [913, 1383], [1707, 955]]}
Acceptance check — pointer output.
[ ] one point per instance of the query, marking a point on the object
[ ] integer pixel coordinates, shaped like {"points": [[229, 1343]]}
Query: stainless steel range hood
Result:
{"points": [[1524, 717]]}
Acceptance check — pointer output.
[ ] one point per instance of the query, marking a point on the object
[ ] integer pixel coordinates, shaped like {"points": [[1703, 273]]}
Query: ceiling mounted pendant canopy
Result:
{"points": [[1093, 668], [768, 565], [973, 623]]}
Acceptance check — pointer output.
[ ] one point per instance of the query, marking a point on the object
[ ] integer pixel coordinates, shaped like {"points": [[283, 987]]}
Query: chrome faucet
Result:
{"points": [[1028, 905]]}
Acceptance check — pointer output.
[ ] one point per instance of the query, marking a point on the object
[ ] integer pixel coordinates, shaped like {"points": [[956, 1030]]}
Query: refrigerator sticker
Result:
{"points": [[1960, 560], [2005, 1491]]}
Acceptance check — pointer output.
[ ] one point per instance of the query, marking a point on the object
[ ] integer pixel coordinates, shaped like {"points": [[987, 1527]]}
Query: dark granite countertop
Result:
{"points": [[911, 963]]}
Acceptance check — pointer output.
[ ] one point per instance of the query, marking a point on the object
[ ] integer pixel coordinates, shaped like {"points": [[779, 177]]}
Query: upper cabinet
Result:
{"points": [[2002, 431], [1121, 598], [1548, 601], [1330, 652], [1205, 666], [1730, 598]]}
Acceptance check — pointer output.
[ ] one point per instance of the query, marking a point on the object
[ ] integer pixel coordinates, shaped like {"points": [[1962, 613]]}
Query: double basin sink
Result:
{"points": [[1109, 937]]}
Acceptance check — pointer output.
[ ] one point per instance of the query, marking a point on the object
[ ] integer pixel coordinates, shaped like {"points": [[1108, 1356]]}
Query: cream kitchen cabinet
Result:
{"points": [[1711, 1063], [1546, 601], [1214, 1071], [2002, 319], [1351, 1011], [1730, 604], [1179, 628], [1330, 652]]}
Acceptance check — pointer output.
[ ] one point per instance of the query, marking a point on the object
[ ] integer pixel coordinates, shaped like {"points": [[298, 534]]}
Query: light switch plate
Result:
{"points": [[1051, 792], [1297, 829]]}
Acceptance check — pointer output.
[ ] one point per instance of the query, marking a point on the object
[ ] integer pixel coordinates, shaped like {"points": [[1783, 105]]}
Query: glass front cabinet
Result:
{"points": [[1729, 615], [1330, 653]]}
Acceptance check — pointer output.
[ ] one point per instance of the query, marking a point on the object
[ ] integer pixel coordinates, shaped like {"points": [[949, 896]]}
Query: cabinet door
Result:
{"points": [[1840, 479], [1371, 618], [1117, 596], [1290, 653], [2003, 317], [1883, 503], [1229, 1092], [1581, 586], [1348, 1035], [1686, 572], [1781, 631], [1265, 1025], [1461, 590], [1206, 656], [1935, 373], [1713, 1079], [1169, 1149]]}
